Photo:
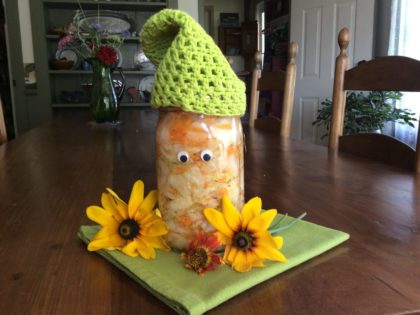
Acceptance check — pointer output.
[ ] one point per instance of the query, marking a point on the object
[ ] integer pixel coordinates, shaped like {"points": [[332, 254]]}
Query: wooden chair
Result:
{"points": [[282, 81], [3, 133], [391, 73]]}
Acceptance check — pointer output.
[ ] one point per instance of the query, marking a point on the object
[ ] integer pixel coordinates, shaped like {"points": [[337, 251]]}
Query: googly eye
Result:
{"points": [[206, 155], [183, 157]]}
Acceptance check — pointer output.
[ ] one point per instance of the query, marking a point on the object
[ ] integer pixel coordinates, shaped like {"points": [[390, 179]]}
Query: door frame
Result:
{"points": [[16, 70]]}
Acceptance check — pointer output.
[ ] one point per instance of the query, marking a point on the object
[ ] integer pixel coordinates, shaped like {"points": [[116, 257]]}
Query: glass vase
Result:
{"points": [[104, 104]]}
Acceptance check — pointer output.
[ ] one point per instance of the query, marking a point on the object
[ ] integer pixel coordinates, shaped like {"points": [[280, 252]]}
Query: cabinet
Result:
{"points": [[277, 44], [243, 41], [230, 40], [70, 88]]}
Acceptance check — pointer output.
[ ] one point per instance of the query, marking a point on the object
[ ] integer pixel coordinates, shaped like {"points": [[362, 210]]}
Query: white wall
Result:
{"points": [[227, 6], [189, 6], [224, 6], [26, 31]]}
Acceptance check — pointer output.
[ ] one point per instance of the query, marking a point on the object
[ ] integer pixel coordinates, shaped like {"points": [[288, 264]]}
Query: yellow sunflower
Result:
{"points": [[248, 243], [135, 229]]}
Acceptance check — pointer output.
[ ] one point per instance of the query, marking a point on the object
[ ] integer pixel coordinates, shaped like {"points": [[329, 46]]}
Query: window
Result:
{"points": [[403, 41], [260, 17]]}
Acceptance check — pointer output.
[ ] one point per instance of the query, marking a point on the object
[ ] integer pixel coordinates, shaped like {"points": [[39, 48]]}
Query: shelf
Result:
{"points": [[53, 13], [86, 105], [116, 5], [126, 40], [125, 72]]}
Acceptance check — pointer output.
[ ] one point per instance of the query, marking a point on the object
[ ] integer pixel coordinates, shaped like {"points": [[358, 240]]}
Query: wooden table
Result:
{"points": [[51, 174]]}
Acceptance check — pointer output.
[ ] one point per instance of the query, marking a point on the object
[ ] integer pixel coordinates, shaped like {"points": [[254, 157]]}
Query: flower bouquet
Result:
{"points": [[96, 45]]}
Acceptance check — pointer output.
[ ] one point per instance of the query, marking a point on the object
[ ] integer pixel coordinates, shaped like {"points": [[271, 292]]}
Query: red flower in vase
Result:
{"points": [[107, 55], [89, 43]]}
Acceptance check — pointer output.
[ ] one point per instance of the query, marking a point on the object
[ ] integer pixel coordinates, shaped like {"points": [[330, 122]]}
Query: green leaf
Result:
{"points": [[278, 227], [366, 111]]}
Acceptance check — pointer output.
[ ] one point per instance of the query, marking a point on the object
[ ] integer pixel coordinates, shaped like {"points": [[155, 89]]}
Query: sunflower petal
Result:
{"points": [[251, 210], [230, 257], [158, 213], [146, 211], [149, 202], [136, 197], [131, 249], [145, 250], [266, 248], [232, 216], [258, 263], [217, 220], [114, 194], [263, 221], [100, 216], [104, 232], [120, 204], [155, 228], [254, 259], [113, 241], [157, 242], [226, 253], [109, 205], [241, 263], [223, 239], [279, 241], [147, 219]]}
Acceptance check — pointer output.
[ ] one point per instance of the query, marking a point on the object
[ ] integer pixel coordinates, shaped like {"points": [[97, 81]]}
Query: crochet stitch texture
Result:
{"points": [[192, 73]]}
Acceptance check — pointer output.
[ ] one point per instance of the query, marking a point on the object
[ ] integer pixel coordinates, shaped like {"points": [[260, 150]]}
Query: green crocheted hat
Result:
{"points": [[192, 73]]}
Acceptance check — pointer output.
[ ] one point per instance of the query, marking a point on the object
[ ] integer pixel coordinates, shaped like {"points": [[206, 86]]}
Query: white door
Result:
{"points": [[315, 25]]}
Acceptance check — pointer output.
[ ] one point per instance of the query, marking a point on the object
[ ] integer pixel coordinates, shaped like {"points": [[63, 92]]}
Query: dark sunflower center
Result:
{"points": [[129, 229], [242, 240], [198, 258]]}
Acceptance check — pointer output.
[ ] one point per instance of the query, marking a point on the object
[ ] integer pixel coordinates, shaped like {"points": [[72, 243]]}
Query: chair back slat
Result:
{"points": [[281, 81], [3, 132], [272, 81], [339, 96], [391, 73]]}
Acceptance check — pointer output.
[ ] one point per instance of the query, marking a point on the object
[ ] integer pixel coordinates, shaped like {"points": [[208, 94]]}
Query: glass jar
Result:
{"points": [[199, 159]]}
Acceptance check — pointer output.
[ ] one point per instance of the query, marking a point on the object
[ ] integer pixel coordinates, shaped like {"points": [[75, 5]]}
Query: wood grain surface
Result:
{"points": [[51, 174]]}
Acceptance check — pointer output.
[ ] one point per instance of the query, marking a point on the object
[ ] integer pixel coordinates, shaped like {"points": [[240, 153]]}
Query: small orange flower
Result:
{"points": [[200, 256]]}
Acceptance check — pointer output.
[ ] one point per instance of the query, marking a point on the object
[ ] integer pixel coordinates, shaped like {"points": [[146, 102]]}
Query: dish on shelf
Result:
{"points": [[119, 58], [61, 64], [147, 66], [146, 83], [113, 22], [145, 87], [69, 55], [72, 97], [142, 62]]}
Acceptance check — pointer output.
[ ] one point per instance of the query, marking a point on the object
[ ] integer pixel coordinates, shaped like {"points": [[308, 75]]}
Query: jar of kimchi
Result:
{"points": [[199, 160]]}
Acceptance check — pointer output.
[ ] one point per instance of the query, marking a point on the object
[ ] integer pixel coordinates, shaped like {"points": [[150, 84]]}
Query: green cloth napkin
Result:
{"points": [[187, 293]]}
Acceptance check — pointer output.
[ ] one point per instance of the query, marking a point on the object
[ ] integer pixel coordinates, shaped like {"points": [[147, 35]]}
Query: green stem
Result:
{"points": [[282, 228]]}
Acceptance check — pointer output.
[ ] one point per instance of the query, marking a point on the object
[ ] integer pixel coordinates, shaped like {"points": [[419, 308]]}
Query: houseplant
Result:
{"points": [[366, 112]]}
